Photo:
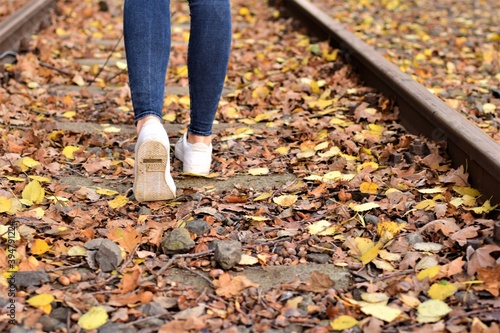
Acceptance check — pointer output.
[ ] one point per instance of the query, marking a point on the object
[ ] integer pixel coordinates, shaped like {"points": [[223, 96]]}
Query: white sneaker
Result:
{"points": [[152, 164], [196, 157]]}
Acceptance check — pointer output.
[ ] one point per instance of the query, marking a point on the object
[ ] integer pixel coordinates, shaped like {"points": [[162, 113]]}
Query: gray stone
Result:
{"points": [[150, 323], [414, 238], [369, 218], [30, 278], [108, 255], [144, 210], [50, 324], [22, 329], [198, 227], [178, 241], [152, 309], [61, 314], [116, 328], [3, 301], [320, 258], [227, 253]]}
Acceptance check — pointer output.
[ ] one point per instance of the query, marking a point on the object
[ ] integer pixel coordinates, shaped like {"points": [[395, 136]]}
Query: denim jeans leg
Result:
{"points": [[147, 46], [208, 57]]}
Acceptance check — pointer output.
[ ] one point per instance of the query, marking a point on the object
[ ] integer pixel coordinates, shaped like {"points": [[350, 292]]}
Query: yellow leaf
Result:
{"points": [[282, 150], [368, 188], [6, 233], [170, 117], [33, 193], [41, 179], [332, 176], [409, 300], [94, 318], [182, 71], [380, 311], [29, 162], [430, 273], [432, 310], [388, 226], [77, 251], [40, 300], [370, 166], [5, 204], [432, 190], [285, 200], [331, 56], [442, 290], [364, 207], [118, 202], [315, 87], [485, 208], [263, 196], [334, 151], [321, 146], [321, 104], [244, 11], [256, 218], [343, 323], [374, 297], [39, 247], [105, 191], [260, 92], [111, 129], [426, 204], [322, 228], [78, 80], [122, 65], [306, 154], [370, 254], [364, 244], [248, 260], [69, 150], [258, 171], [69, 114]]}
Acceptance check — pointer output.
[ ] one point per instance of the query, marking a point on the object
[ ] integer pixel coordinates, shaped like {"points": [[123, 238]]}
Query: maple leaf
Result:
{"points": [[127, 238], [229, 287], [490, 278]]}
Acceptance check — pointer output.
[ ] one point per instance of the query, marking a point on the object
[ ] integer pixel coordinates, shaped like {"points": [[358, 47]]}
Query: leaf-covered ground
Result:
{"points": [[366, 196], [452, 47], [8, 7]]}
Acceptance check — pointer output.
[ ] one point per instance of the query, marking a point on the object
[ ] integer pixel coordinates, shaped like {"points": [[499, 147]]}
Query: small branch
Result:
{"points": [[63, 268], [198, 274], [174, 258], [471, 313]]}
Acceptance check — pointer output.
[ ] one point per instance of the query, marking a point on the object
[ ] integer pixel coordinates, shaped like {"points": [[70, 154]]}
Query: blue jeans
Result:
{"points": [[147, 45]]}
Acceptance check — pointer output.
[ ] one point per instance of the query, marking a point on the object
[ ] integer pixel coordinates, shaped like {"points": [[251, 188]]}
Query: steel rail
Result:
{"points": [[22, 23], [420, 111]]}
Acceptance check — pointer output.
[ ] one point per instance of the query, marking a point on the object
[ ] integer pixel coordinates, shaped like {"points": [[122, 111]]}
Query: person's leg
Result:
{"points": [[147, 46], [208, 57]]}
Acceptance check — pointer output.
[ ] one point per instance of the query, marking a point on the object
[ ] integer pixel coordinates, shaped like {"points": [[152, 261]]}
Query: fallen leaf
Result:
{"points": [[432, 310], [343, 323], [94, 318]]}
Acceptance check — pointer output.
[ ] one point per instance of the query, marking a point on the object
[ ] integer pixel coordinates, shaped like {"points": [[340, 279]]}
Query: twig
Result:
{"points": [[197, 273], [138, 321], [106, 62], [171, 261], [129, 259], [471, 313], [63, 268]]}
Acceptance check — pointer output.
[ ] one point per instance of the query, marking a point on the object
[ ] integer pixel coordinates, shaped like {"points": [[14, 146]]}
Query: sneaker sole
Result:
{"points": [[152, 166]]}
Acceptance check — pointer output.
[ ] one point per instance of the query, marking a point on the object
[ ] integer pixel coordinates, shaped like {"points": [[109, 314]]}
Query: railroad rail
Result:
{"points": [[420, 111], [23, 23]]}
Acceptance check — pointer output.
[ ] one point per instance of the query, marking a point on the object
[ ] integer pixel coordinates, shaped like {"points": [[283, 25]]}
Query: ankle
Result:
{"points": [[193, 138], [142, 121]]}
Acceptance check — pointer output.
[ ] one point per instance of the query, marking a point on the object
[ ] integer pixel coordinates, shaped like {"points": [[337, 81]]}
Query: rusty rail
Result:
{"points": [[420, 111], [23, 23]]}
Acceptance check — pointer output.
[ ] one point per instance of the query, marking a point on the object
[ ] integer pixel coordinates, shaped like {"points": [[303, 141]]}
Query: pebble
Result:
{"points": [[30, 278], [198, 227], [227, 253], [414, 238], [107, 255], [320, 258], [178, 241]]}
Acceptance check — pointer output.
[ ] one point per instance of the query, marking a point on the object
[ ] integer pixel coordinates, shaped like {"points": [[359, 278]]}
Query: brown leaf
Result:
{"points": [[481, 258], [462, 235], [130, 280], [128, 238], [490, 276], [319, 282], [227, 287]]}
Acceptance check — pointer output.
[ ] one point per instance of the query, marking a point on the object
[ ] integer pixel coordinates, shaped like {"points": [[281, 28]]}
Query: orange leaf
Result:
{"points": [[128, 238], [228, 287]]}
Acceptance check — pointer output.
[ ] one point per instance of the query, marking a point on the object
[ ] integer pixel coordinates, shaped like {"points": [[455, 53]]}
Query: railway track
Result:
{"points": [[322, 232], [421, 111], [23, 23]]}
